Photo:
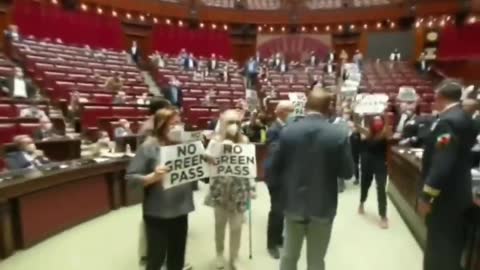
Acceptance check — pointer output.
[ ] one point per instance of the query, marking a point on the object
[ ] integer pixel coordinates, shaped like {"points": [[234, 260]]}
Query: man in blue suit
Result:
{"points": [[26, 155], [275, 217], [311, 155], [251, 72]]}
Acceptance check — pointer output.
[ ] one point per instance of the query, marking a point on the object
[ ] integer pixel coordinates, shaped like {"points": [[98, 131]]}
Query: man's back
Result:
{"points": [[312, 154]]}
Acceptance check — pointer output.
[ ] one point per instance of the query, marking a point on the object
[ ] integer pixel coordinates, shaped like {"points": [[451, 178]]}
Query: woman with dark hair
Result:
{"points": [[374, 142], [165, 212]]}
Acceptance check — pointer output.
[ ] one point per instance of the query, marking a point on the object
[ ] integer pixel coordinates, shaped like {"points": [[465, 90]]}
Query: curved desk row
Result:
{"points": [[405, 180], [35, 205]]}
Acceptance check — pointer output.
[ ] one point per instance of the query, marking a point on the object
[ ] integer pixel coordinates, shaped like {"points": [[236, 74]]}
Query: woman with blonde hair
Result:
{"points": [[165, 212], [229, 196]]}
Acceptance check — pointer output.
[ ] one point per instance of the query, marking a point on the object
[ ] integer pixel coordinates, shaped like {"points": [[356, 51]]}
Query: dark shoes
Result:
{"points": [[274, 253]]}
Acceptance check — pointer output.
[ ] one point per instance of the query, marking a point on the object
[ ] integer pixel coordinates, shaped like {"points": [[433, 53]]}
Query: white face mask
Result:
{"points": [[175, 134], [232, 129]]}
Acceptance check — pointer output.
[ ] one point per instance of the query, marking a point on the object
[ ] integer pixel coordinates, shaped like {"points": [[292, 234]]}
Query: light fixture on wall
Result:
{"points": [[352, 26], [304, 29], [271, 29], [315, 29], [259, 29], [54, 2], [283, 28], [202, 25], [214, 26], [129, 16], [379, 25], [167, 21], [142, 18], [442, 23], [392, 25], [155, 20], [472, 20], [225, 27], [418, 24], [180, 23], [430, 24], [365, 26], [114, 13], [84, 7], [340, 27], [327, 28]]}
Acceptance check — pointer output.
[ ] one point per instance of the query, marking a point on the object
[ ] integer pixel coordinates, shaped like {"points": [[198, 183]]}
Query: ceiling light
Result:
{"points": [[283, 28], [202, 25], [365, 26], [340, 27], [379, 25], [304, 29], [99, 10], [259, 29], [327, 28], [180, 23], [352, 26], [315, 29], [225, 27], [472, 20], [84, 7], [392, 25], [54, 2], [271, 29], [155, 20], [214, 26], [442, 23], [430, 24], [142, 18], [167, 21], [114, 13]]}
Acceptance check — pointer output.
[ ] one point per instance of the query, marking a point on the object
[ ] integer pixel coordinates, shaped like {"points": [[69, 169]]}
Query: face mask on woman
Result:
{"points": [[175, 134], [232, 129]]}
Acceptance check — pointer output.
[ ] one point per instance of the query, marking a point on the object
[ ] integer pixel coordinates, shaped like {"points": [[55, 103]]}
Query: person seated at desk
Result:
{"points": [[18, 86], [144, 99], [45, 131], [120, 98], [33, 111], [123, 129], [114, 83], [26, 156]]}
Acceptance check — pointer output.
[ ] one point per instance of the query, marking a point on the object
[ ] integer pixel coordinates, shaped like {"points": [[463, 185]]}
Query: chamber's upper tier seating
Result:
{"points": [[220, 3], [60, 68], [324, 4], [369, 3], [6, 67], [264, 4]]}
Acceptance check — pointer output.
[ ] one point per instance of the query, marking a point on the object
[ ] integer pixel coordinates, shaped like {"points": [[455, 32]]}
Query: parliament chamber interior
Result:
{"points": [[134, 132]]}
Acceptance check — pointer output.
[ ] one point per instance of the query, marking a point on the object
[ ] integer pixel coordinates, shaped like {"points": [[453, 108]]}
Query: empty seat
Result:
{"points": [[27, 128], [7, 111], [119, 111], [90, 114], [7, 132]]}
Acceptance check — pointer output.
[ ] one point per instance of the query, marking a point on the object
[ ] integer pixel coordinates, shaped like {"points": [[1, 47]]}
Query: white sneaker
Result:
{"points": [[220, 262]]}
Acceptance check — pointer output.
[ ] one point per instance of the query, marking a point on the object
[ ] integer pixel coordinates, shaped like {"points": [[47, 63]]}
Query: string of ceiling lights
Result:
{"points": [[429, 22]]}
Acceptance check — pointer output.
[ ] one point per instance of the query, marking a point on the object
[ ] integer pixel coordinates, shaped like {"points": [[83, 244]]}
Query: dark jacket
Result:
{"points": [[9, 83], [311, 155], [168, 94], [135, 55], [210, 65], [185, 63], [447, 158], [273, 135], [17, 160]]}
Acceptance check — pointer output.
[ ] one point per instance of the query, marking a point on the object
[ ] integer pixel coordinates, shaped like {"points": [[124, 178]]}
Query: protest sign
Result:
{"points": [[236, 160], [185, 162], [298, 100], [370, 104]]}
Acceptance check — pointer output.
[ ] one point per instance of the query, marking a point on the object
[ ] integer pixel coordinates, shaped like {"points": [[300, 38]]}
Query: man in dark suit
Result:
{"points": [[251, 72], [447, 191], [46, 131], [311, 155], [312, 60], [18, 86], [212, 63], [135, 52], [26, 156], [173, 93], [189, 62], [275, 217]]}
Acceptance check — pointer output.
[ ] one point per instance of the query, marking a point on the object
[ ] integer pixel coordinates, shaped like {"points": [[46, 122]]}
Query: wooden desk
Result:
{"points": [[35, 205], [405, 183], [61, 149]]}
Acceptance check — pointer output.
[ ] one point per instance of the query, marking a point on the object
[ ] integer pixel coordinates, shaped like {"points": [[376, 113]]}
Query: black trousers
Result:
{"points": [[446, 239], [166, 238], [372, 166], [275, 221], [355, 144]]}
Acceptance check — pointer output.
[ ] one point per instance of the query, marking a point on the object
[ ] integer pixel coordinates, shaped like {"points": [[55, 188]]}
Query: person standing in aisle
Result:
{"points": [[229, 196], [165, 212], [312, 154], [374, 164], [275, 216], [447, 189]]}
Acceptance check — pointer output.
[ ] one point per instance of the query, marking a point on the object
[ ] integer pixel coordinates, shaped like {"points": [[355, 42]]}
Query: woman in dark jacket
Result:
{"points": [[165, 212], [374, 143]]}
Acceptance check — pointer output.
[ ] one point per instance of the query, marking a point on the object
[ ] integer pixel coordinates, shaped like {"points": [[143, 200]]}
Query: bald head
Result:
{"points": [[284, 109], [319, 100]]}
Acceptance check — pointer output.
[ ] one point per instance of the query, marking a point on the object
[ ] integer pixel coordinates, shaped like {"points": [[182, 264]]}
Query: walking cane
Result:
{"points": [[250, 227]]}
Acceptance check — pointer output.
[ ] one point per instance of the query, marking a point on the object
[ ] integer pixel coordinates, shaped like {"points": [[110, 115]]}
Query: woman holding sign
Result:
{"points": [[165, 212], [374, 143], [229, 195]]}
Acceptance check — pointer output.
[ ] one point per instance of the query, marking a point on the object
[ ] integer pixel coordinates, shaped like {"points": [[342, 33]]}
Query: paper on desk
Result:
{"points": [[100, 160]]}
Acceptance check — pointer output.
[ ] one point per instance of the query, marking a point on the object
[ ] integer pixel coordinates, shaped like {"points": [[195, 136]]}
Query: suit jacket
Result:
{"points": [[17, 160], [446, 161], [312, 154], [167, 93], [273, 135], [211, 67], [135, 55], [121, 132], [39, 135], [185, 63], [10, 84]]}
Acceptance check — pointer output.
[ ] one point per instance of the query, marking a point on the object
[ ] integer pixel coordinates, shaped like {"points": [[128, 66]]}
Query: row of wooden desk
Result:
{"points": [[405, 183], [37, 204]]}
